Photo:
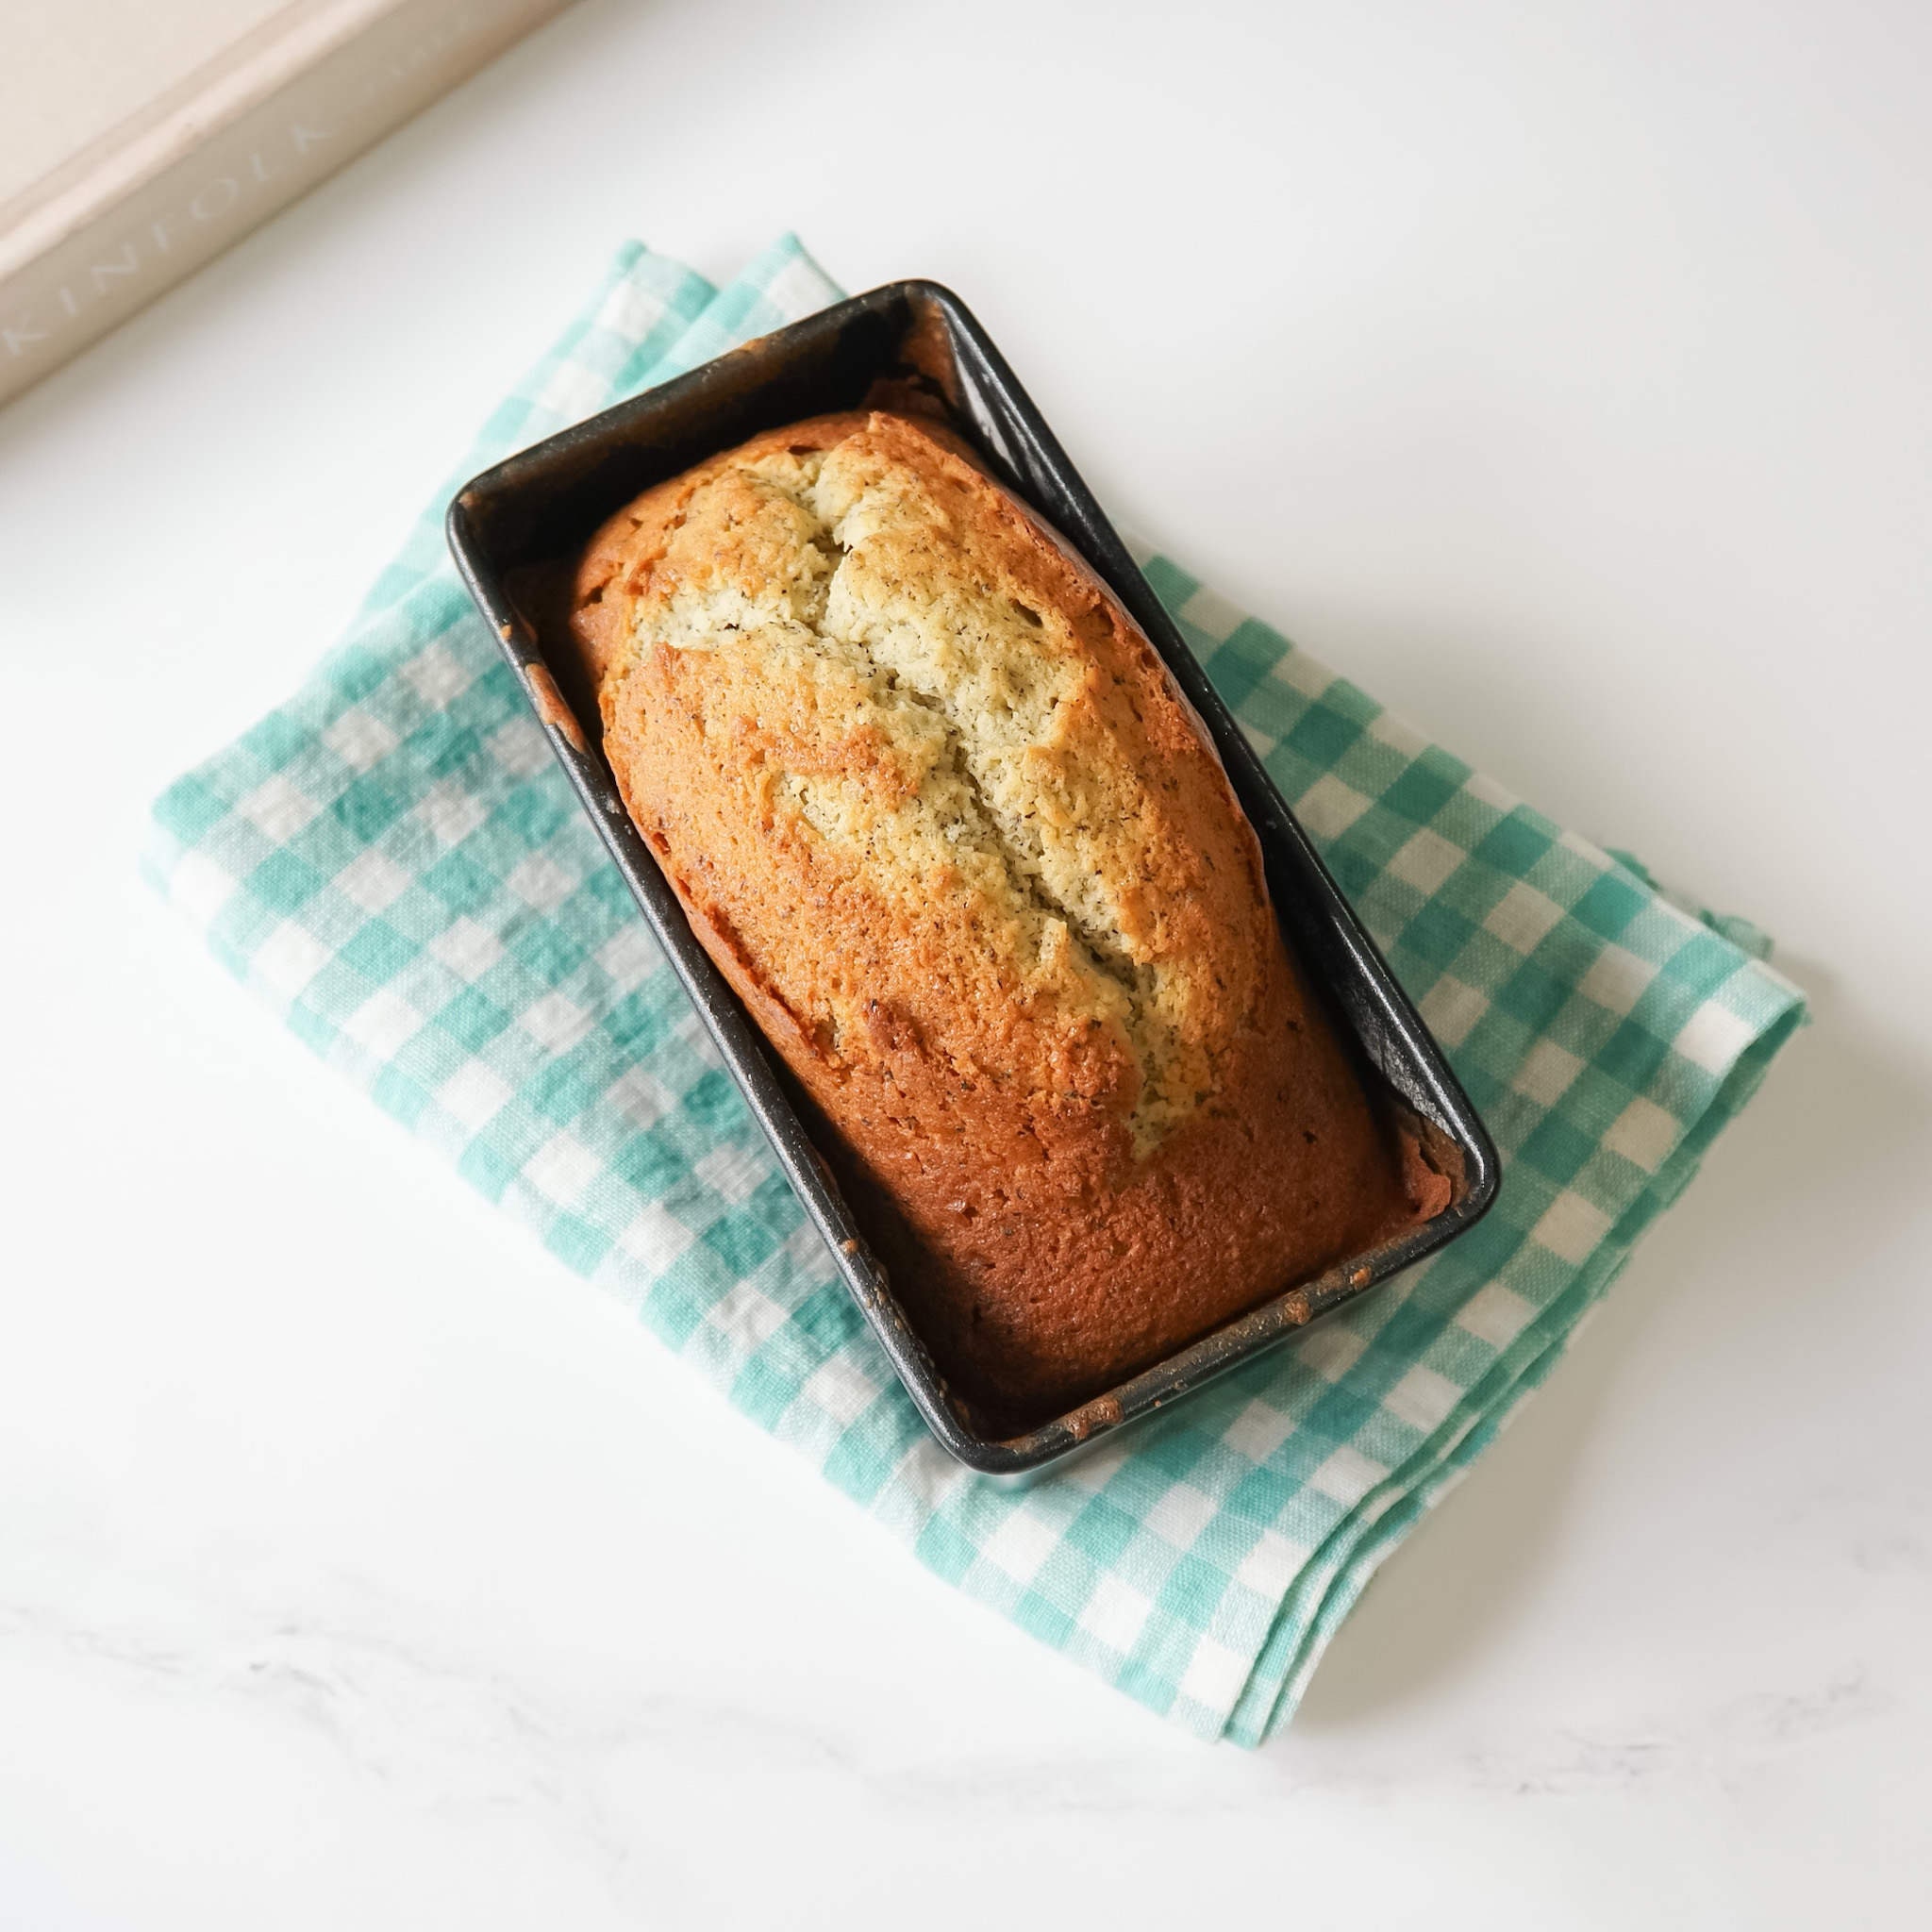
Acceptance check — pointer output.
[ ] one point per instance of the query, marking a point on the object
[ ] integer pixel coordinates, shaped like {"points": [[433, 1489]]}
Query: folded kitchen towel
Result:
{"points": [[392, 858]]}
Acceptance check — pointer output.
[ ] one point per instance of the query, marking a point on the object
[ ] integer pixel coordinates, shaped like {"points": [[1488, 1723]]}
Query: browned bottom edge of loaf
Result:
{"points": [[986, 1399]]}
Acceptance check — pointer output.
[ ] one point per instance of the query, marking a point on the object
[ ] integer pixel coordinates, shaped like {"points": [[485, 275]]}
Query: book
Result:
{"points": [[139, 140]]}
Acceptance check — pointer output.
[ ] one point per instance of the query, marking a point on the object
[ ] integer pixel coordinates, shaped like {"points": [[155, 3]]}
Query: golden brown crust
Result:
{"points": [[935, 808]]}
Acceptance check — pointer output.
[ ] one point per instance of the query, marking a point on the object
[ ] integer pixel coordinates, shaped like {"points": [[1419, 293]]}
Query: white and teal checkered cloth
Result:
{"points": [[393, 861]]}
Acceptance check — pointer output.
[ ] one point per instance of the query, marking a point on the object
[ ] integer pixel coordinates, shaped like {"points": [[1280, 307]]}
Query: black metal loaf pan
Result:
{"points": [[526, 517]]}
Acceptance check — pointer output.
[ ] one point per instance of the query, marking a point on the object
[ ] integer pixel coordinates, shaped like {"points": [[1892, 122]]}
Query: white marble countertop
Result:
{"points": [[1560, 373]]}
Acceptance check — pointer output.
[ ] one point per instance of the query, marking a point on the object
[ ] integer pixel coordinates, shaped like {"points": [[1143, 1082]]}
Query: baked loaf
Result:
{"points": [[935, 809]]}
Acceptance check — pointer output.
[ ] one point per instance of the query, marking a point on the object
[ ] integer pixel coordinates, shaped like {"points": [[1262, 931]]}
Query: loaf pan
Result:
{"points": [[514, 531]]}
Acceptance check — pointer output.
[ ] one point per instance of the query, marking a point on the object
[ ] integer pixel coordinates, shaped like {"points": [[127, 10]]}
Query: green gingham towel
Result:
{"points": [[393, 861]]}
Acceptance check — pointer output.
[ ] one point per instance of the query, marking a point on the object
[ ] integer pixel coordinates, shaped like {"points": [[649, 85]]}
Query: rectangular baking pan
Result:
{"points": [[513, 530]]}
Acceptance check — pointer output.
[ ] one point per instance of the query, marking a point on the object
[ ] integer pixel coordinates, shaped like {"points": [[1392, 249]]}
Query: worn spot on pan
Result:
{"points": [[1102, 1412], [550, 706]]}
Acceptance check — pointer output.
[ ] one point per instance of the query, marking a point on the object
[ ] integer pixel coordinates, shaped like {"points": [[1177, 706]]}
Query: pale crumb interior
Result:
{"points": [[837, 589]]}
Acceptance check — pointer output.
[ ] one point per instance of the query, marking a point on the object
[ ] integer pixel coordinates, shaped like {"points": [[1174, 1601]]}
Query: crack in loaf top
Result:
{"points": [[970, 767]]}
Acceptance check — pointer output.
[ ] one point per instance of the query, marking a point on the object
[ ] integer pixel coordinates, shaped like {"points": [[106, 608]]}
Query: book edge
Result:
{"points": [[272, 144], [168, 129]]}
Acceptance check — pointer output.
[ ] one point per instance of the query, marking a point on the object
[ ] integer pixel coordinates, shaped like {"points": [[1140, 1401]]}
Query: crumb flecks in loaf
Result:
{"points": [[946, 826], [836, 581], [936, 613]]}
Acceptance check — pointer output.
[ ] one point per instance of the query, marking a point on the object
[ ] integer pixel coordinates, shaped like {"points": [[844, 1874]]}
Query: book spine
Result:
{"points": [[142, 215]]}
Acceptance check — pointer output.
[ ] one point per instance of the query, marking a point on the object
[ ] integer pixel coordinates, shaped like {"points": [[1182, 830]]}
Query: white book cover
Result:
{"points": [[139, 137]]}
